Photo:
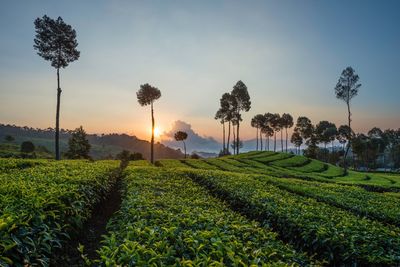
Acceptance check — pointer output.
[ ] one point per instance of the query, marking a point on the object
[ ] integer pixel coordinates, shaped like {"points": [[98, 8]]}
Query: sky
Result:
{"points": [[289, 54]]}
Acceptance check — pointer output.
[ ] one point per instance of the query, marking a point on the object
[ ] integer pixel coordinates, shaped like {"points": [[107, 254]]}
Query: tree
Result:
{"points": [[275, 122], [181, 136], [287, 122], [224, 114], [267, 128], [257, 122], [136, 156], [297, 140], [242, 103], [392, 140], [304, 127], [9, 138], [56, 42], [325, 132], [78, 145], [343, 134], [269, 132], [346, 89], [27, 147], [146, 95]]}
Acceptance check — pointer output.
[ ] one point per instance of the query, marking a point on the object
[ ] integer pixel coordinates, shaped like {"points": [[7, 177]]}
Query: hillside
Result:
{"points": [[256, 208], [103, 146]]}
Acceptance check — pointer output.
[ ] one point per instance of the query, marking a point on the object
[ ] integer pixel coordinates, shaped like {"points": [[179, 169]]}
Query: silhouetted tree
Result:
{"points": [[304, 127], [325, 132], [275, 122], [377, 144], [78, 145], [287, 122], [56, 42], [27, 147], [224, 114], [242, 103], [267, 128], [297, 140], [136, 156], [257, 122], [269, 132], [234, 146], [146, 95], [9, 138], [343, 134], [181, 136], [345, 89], [392, 140]]}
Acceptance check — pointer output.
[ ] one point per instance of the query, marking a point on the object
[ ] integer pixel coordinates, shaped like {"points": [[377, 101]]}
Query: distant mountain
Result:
{"points": [[103, 146]]}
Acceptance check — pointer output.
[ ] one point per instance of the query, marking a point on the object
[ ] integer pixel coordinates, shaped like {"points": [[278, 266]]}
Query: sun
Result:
{"points": [[157, 132]]}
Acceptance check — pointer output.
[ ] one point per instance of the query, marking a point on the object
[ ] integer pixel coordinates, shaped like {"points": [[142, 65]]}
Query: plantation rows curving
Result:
{"points": [[166, 219], [334, 235], [42, 205]]}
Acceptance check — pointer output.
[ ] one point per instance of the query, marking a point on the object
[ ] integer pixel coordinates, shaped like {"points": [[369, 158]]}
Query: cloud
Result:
{"points": [[194, 141]]}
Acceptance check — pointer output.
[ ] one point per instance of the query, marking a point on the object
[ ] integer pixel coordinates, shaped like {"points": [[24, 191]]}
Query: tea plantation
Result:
{"points": [[253, 209]]}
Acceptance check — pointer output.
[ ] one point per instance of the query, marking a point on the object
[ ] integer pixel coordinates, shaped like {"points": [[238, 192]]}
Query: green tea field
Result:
{"points": [[252, 209]]}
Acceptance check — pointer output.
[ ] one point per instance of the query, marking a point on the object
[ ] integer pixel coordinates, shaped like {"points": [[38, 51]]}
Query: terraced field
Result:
{"points": [[254, 209]]}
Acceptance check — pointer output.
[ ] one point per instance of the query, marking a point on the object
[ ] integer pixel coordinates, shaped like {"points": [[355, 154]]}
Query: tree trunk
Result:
{"points": [[223, 137], [274, 141], [286, 139], [282, 140], [350, 137], [257, 138], [234, 139], [184, 146], [261, 142], [57, 136], [152, 135], [237, 138], [229, 136]]}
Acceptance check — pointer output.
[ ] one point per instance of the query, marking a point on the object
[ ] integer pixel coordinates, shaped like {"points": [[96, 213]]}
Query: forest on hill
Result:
{"points": [[104, 146]]}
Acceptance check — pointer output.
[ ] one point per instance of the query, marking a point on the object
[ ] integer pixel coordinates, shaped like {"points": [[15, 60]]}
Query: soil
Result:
{"points": [[91, 234]]}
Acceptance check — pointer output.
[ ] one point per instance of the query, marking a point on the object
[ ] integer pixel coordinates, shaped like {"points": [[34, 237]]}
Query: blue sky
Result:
{"points": [[289, 54]]}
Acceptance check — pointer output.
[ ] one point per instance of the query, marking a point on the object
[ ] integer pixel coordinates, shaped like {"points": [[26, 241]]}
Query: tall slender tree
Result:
{"points": [[146, 95], [304, 127], [343, 135], [297, 140], [257, 122], [181, 136], [269, 132], [346, 89], [275, 122], [242, 103], [224, 115], [287, 120], [220, 116], [55, 41]]}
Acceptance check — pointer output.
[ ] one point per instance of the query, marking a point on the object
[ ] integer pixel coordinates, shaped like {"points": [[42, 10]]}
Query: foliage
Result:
{"points": [[45, 202], [181, 136], [183, 225], [335, 235], [9, 138], [147, 94], [55, 41], [78, 145], [27, 147]]}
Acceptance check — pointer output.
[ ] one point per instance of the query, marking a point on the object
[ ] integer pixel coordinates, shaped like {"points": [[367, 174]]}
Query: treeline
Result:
{"points": [[366, 149], [231, 106]]}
